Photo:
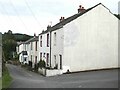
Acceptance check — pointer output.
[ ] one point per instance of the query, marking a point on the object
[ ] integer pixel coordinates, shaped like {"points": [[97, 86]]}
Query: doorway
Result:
{"points": [[60, 61]]}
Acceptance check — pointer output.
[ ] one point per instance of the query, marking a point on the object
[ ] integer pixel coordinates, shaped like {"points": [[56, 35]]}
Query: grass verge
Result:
{"points": [[0, 83], [6, 78]]}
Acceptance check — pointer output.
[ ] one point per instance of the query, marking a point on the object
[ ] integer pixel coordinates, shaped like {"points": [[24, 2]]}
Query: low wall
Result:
{"points": [[53, 72], [42, 71], [47, 72]]}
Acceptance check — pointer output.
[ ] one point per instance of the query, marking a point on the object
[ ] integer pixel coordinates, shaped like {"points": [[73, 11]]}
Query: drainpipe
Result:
{"points": [[50, 48]]}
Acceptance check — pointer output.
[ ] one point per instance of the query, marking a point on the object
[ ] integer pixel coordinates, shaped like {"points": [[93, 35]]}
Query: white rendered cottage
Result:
{"points": [[44, 47], [23, 55], [28, 51], [87, 40], [33, 51]]}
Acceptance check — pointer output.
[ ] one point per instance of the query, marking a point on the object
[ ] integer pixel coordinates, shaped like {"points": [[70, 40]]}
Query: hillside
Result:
{"points": [[21, 37]]}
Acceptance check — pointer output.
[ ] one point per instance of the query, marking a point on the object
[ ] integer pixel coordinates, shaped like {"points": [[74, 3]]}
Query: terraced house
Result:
{"points": [[87, 40], [28, 51]]}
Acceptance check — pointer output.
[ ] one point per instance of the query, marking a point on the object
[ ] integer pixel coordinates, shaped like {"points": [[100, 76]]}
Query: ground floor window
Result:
{"points": [[31, 58], [40, 56], [47, 59], [35, 59], [55, 61]]}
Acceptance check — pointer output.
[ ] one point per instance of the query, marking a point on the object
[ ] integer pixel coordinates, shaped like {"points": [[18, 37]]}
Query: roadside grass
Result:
{"points": [[0, 83], [6, 78]]}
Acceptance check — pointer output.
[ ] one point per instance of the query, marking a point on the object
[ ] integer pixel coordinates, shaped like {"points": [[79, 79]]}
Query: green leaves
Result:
{"points": [[9, 41]]}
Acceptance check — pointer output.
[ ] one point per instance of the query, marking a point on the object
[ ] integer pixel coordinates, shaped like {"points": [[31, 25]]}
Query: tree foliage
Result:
{"points": [[117, 15], [9, 41], [9, 44]]}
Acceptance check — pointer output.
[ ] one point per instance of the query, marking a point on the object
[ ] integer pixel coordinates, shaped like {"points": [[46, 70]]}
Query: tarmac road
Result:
{"points": [[93, 79]]}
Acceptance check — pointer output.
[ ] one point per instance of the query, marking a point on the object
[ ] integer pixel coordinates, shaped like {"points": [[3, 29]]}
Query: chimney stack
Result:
{"points": [[62, 18], [48, 27], [81, 9], [34, 34]]}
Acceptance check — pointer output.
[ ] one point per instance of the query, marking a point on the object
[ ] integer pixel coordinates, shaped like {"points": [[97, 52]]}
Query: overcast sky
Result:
{"points": [[33, 16]]}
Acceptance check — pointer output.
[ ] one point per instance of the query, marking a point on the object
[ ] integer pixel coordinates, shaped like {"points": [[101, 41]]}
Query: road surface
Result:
{"points": [[94, 79]]}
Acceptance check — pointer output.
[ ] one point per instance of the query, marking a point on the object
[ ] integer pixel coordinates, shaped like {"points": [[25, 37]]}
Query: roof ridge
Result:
{"points": [[69, 19]]}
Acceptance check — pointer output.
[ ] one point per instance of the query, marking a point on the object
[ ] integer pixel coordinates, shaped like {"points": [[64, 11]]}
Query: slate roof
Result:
{"points": [[31, 40]]}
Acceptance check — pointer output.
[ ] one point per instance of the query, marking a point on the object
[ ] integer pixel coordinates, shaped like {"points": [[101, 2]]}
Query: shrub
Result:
{"points": [[42, 64]]}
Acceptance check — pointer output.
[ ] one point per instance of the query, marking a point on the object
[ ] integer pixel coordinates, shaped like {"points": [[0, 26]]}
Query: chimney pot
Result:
{"points": [[62, 18], [81, 9], [80, 6], [48, 27]]}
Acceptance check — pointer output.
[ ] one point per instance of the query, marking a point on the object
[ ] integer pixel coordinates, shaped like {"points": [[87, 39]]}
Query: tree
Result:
{"points": [[9, 44], [117, 15]]}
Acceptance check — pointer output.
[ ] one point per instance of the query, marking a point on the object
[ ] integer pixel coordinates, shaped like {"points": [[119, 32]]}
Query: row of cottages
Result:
{"points": [[87, 40], [28, 51]]}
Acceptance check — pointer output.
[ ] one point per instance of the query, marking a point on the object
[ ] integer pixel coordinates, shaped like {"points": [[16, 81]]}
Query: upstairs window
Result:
{"points": [[40, 56], [31, 45], [36, 45], [40, 41], [55, 39], [47, 40]]}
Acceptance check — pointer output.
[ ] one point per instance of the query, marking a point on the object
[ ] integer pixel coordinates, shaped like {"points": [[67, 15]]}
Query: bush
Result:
{"points": [[42, 64]]}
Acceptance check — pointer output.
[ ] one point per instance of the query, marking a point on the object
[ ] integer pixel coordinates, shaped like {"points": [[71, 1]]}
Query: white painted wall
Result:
{"points": [[91, 41], [33, 52], [44, 48], [56, 48], [20, 50]]}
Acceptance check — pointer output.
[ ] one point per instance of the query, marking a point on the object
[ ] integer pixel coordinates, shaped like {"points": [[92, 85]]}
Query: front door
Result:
{"points": [[60, 61]]}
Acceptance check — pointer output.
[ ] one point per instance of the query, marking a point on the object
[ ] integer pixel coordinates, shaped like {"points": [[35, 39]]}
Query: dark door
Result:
{"points": [[60, 61]]}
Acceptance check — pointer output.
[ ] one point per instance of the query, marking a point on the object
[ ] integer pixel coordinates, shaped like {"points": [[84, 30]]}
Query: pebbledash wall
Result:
{"points": [[91, 41]]}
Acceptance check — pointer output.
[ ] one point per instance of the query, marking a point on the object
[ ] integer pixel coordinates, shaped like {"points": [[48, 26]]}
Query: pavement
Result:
{"points": [[93, 79]]}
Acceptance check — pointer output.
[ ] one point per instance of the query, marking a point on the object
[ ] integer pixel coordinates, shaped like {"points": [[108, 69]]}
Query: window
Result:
{"points": [[47, 40], [55, 39], [31, 45], [31, 58], [40, 41], [55, 59], [25, 47], [40, 56], [25, 59], [47, 59], [36, 46], [35, 59], [44, 55]]}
